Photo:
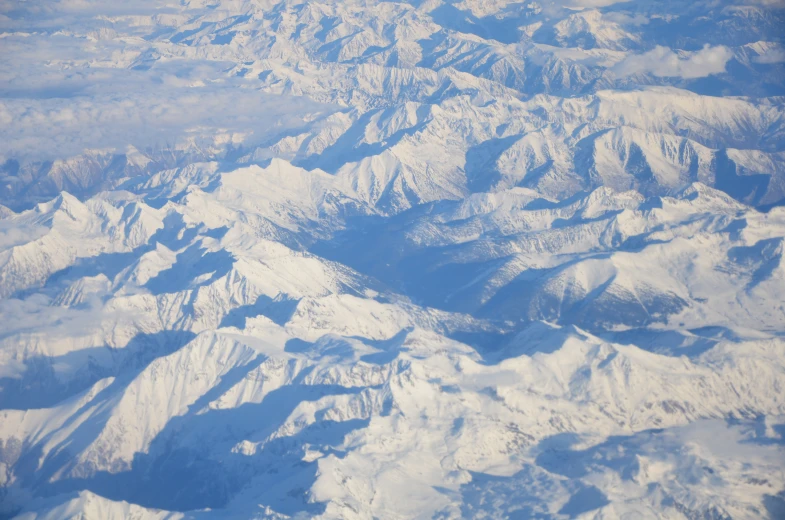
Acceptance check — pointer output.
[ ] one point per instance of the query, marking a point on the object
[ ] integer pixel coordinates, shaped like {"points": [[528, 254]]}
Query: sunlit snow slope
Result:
{"points": [[387, 259]]}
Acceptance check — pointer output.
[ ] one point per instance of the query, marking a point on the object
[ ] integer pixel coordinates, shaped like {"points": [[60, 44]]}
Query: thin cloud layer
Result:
{"points": [[664, 62], [70, 82], [771, 55], [156, 114]]}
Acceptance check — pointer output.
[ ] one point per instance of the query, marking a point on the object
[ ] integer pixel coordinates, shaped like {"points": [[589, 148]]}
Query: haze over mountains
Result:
{"points": [[360, 259]]}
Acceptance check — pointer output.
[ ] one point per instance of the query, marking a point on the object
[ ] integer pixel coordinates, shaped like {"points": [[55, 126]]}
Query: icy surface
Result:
{"points": [[376, 259]]}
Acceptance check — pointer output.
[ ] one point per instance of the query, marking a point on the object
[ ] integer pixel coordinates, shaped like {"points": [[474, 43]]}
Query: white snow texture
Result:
{"points": [[359, 259]]}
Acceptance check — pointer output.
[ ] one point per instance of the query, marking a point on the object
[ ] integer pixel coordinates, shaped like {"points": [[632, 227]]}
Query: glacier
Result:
{"points": [[392, 259]]}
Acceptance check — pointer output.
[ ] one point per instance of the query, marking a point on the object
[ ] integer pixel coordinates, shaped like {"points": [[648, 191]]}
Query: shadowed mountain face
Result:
{"points": [[477, 259]]}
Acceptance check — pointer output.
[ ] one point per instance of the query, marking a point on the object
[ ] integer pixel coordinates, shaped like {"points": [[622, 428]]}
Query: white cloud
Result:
{"points": [[664, 62], [770, 56], [765, 3], [591, 3], [626, 19], [66, 87], [110, 115], [13, 234]]}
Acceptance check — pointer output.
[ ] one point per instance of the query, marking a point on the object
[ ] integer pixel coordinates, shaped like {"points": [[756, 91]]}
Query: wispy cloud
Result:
{"points": [[64, 119], [587, 3], [620, 18], [13, 234], [771, 55], [664, 62], [72, 79]]}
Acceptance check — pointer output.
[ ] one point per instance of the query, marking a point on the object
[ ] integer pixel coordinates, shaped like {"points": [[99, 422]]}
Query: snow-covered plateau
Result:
{"points": [[360, 259]]}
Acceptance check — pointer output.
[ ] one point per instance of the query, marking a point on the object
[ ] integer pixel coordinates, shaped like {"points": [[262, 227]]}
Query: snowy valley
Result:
{"points": [[374, 259]]}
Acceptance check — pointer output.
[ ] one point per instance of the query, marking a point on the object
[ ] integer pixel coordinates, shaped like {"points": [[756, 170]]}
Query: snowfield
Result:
{"points": [[392, 259]]}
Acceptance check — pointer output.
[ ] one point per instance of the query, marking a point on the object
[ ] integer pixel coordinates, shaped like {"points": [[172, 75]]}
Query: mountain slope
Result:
{"points": [[361, 259]]}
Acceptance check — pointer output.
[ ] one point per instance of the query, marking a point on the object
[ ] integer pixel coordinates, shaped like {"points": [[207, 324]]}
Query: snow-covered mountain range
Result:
{"points": [[392, 259]]}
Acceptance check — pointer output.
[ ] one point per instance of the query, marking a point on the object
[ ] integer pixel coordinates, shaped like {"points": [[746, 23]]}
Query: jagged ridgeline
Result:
{"points": [[360, 259]]}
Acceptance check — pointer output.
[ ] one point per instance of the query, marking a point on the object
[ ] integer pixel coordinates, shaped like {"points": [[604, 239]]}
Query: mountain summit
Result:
{"points": [[392, 259]]}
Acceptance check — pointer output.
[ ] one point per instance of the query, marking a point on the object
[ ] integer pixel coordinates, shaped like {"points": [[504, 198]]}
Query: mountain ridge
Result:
{"points": [[447, 259]]}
